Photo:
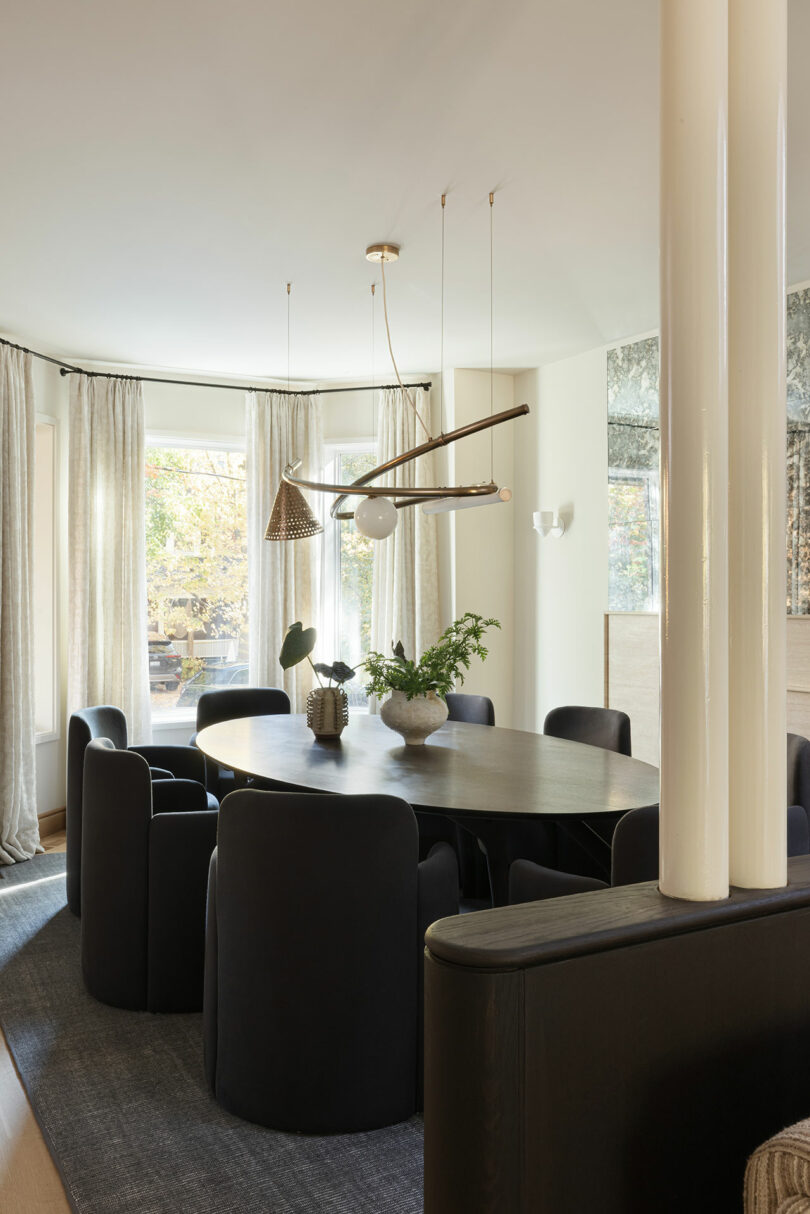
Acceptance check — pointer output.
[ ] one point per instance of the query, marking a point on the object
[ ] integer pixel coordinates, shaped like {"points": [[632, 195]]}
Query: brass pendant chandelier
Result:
{"points": [[376, 515]]}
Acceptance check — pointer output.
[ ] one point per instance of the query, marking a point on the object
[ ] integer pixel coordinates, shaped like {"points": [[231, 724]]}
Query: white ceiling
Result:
{"points": [[168, 166]]}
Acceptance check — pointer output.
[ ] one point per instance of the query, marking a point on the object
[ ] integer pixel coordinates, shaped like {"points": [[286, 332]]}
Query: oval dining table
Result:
{"points": [[478, 775]]}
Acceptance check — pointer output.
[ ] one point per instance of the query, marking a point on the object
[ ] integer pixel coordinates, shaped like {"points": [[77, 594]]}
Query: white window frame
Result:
{"points": [[53, 733], [188, 442]]}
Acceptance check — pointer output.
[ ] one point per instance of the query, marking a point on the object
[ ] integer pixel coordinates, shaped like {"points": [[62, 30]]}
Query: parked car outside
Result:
{"points": [[165, 663], [211, 678]]}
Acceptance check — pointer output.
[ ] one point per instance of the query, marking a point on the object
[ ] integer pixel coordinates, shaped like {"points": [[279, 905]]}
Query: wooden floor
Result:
{"points": [[29, 1181]]}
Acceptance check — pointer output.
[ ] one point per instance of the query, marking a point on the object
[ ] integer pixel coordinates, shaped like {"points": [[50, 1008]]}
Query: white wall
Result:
{"points": [[561, 584], [477, 550]]}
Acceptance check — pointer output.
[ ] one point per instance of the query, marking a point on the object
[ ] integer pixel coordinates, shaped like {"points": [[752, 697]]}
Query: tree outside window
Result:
{"points": [[633, 537], [196, 570]]}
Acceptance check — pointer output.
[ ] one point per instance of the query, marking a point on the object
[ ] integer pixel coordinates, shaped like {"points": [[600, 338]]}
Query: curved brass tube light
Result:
{"points": [[362, 487], [303, 522]]}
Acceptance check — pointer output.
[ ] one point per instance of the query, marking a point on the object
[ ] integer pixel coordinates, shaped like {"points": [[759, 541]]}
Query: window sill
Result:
{"points": [[167, 720]]}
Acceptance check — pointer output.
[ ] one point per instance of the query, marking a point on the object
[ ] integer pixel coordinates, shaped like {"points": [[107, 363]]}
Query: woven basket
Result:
{"points": [[327, 711]]}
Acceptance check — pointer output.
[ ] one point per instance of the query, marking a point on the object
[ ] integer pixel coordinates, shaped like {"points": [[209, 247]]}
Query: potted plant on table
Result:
{"points": [[327, 706], [416, 706]]}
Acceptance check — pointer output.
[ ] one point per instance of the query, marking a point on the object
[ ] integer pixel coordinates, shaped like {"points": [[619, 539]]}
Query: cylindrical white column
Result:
{"points": [[694, 450], [757, 73]]}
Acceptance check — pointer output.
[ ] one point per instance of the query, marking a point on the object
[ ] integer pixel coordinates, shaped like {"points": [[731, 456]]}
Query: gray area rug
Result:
{"points": [[122, 1102]]}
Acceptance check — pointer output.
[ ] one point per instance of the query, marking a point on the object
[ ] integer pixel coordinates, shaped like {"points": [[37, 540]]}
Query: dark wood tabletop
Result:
{"points": [[462, 769]]}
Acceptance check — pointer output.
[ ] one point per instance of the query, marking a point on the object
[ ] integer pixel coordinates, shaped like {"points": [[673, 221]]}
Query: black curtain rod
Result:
{"points": [[191, 383], [68, 369], [46, 358]]}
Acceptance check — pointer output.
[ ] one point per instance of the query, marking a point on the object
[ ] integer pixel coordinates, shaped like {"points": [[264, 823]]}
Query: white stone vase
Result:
{"points": [[415, 719]]}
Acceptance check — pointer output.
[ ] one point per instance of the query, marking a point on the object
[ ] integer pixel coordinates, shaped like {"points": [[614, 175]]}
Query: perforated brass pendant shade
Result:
{"points": [[291, 518]]}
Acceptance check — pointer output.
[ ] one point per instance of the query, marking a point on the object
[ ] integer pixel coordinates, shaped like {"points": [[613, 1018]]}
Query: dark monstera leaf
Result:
{"points": [[341, 673], [298, 644]]}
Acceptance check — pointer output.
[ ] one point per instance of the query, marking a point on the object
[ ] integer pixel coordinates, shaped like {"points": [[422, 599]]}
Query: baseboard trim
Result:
{"points": [[50, 822]]}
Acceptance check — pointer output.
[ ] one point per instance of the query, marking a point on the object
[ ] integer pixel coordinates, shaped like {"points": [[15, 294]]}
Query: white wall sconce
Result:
{"points": [[548, 523]]}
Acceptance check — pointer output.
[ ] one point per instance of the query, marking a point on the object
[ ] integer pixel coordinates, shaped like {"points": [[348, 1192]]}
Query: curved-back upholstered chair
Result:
{"points": [[604, 727], [634, 858], [433, 828], [165, 762], [609, 729], [317, 912], [477, 710], [146, 847], [230, 704], [798, 771]]}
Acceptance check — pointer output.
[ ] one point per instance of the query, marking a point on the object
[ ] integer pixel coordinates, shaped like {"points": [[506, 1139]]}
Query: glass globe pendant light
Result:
{"points": [[376, 517]]}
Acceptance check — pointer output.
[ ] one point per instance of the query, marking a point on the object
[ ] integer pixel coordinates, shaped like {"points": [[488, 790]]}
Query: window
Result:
{"points": [[196, 573], [633, 479], [633, 536], [349, 559], [46, 695]]}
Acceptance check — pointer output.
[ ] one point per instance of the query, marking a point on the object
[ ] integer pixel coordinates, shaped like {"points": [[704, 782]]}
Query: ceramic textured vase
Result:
{"points": [[415, 718], [327, 711]]}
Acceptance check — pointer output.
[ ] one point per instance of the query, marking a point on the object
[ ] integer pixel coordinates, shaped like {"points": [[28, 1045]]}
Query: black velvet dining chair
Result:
{"points": [[317, 913], [476, 710], [231, 704], [433, 828], [798, 771], [634, 858], [607, 728], [146, 848], [165, 762]]}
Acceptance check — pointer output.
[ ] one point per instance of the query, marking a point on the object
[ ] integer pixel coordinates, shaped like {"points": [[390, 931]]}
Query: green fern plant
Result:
{"points": [[439, 668]]}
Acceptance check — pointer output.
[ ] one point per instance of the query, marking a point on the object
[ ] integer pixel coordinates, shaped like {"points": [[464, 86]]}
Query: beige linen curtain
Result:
{"points": [[405, 594], [107, 640], [19, 830], [283, 575]]}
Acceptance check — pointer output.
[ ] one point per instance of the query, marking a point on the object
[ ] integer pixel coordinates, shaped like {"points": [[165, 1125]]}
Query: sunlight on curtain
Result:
{"points": [[19, 830], [107, 625], [282, 574]]}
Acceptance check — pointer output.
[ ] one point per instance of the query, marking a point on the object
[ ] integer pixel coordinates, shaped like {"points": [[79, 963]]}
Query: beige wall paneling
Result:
{"points": [[632, 676]]}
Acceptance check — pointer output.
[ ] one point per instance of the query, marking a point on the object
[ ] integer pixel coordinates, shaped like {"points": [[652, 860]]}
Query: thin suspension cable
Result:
{"points": [[408, 396], [441, 353], [373, 376], [491, 340]]}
